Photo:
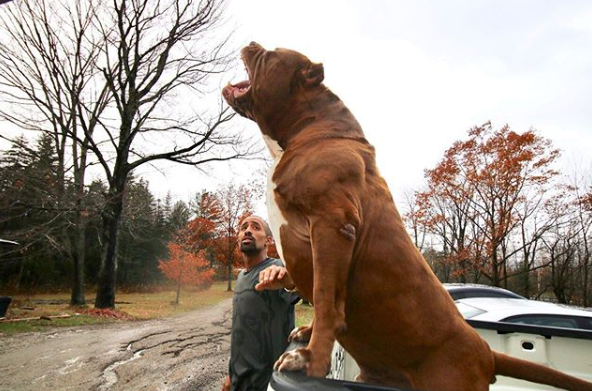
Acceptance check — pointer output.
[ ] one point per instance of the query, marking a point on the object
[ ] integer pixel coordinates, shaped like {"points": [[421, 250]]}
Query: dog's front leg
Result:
{"points": [[302, 333], [332, 242]]}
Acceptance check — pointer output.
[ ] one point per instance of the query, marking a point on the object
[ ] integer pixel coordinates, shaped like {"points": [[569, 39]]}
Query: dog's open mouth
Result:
{"points": [[234, 92], [238, 90], [239, 95]]}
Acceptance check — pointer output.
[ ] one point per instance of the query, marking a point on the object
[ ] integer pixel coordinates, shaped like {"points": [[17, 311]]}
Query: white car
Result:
{"points": [[463, 291], [532, 312]]}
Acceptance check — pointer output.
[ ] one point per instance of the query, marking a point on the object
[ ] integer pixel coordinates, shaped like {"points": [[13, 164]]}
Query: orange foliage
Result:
{"points": [[477, 194], [272, 251], [214, 230], [186, 268], [198, 233]]}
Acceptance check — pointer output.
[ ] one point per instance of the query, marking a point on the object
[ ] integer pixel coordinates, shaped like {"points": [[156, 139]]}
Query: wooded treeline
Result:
{"points": [[115, 85], [496, 210], [30, 215]]}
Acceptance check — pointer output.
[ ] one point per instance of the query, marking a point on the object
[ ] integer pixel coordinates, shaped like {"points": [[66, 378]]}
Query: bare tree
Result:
{"points": [[48, 54], [126, 81], [157, 56], [575, 213]]}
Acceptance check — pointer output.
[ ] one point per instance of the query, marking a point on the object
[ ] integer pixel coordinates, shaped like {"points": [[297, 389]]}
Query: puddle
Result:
{"points": [[109, 377]]}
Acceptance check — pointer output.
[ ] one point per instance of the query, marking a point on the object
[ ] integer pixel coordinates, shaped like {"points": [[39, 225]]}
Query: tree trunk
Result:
{"points": [[526, 283], [108, 273], [586, 300], [230, 261], [77, 297], [78, 246], [229, 287], [78, 252], [178, 292], [21, 272]]}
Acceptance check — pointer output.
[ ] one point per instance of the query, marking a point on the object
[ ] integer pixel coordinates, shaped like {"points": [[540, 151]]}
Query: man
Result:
{"points": [[263, 311]]}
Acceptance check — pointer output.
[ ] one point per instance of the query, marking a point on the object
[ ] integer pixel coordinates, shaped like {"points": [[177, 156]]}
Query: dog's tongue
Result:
{"points": [[243, 84], [241, 88]]}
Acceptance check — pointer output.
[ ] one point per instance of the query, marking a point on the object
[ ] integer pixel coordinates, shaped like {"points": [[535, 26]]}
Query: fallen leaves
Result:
{"points": [[106, 313]]}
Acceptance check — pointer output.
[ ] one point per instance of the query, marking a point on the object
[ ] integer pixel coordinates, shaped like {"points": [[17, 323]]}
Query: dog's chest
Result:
{"points": [[276, 218]]}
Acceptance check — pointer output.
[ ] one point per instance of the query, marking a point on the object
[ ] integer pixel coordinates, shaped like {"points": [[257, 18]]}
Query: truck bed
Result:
{"points": [[567, 350]]}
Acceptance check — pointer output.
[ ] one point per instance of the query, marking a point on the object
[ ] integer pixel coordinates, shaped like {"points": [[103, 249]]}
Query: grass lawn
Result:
{"points": [[129, 307], [303, 314]]}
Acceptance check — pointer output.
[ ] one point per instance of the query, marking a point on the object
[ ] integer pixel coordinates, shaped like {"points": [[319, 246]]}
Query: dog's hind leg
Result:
{"points": [[392, 379], [452, 370]]}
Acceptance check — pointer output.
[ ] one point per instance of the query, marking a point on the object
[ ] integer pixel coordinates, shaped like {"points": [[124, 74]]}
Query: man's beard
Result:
{"points": [[249, 248]]}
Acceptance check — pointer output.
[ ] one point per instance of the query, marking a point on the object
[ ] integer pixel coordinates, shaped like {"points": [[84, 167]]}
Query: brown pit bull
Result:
{"points": [[346, 249]]}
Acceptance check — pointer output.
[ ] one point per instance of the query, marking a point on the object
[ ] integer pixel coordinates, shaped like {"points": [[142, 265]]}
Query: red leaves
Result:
{"points": [[106, 313], [476, 192], [186, 268]]}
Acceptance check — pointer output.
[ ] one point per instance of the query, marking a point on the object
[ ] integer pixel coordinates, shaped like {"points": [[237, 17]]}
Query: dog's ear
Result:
{"points": [[313, 74]]}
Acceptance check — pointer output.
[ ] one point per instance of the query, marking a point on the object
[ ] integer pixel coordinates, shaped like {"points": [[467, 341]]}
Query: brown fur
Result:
{"points": [[347, 250]]}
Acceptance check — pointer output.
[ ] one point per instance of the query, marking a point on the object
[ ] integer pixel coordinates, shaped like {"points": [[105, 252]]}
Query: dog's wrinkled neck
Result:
{"points": [[307, 110]]}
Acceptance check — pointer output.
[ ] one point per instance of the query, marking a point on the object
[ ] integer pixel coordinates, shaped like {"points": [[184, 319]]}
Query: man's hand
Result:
{"points": [[226, 385], [274, 277]]}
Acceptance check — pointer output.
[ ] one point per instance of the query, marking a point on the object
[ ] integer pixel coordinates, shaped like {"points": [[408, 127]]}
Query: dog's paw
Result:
{"points": [[301, 334], [302, 360], [293, 361]]}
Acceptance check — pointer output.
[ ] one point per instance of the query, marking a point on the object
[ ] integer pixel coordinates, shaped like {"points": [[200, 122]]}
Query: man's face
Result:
{"points": [[252, 236]]}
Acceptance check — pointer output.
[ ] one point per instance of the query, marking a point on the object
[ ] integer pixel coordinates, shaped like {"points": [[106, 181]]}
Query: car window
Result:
{"points": [[545, 320], [502, 294], [468, 311], [586, 323], [468, 293], [491, 294], [457, 295]]}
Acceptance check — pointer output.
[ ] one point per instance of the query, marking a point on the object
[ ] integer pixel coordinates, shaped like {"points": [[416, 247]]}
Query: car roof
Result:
{"points": [[496, 309], [477, 288], [458, 285]]}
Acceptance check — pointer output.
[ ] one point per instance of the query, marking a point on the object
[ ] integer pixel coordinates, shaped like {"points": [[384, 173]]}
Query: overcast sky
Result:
{"points": [[419, 74]]}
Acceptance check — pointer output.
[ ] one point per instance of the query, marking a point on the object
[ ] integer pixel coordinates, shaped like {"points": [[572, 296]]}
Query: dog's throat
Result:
{"points": [[274, 148]]}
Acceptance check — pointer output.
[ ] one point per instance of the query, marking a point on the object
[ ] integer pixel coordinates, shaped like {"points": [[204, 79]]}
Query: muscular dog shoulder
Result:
{"points": [[328, 168]]}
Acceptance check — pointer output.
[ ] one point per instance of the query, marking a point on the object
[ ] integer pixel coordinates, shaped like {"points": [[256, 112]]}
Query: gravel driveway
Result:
{"points": [[187, 352]]}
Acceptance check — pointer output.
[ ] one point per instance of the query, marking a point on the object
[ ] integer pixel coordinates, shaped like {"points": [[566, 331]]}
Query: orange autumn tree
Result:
{"points": [[186, 268], [480, 197], [200, 233], [190, 258], [236, 202]]}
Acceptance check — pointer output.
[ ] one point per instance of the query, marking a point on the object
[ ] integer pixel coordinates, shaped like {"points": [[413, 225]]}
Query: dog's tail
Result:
{"points": [[521, 369]]}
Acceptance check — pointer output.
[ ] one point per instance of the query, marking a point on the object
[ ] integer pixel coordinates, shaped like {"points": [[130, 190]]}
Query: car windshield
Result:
{"points": [[468, 311], [465, 291]]}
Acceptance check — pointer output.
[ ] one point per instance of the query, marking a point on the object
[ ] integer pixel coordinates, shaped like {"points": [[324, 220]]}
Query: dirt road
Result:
{"points": [[188, 352]]}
